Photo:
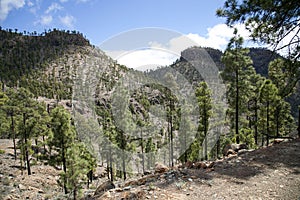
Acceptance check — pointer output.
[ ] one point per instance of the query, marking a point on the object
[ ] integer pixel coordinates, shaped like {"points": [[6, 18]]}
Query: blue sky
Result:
{"points": [[100, 20]]}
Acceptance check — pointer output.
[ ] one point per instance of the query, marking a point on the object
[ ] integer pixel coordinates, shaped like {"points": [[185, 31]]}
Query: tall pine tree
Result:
{"points": [[236, 74]]}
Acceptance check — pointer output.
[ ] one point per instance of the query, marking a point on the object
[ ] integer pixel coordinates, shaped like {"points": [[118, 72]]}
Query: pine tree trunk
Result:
{"points": [[185, 147], [14, 135], [143, 156], [256, 120], [218, 147], [64, 165], [107, 165], [44, 145], [237, 108], [90, 178], [205, 131], [75, 193], [268, 131], [169, 141], [26, 148], [171, 132], [172, 148], [299, 123], [277, 121], [123, 164], [110, 165]]}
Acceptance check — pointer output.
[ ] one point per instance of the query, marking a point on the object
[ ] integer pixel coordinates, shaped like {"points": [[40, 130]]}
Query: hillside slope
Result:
{"points": [[267, 173]]}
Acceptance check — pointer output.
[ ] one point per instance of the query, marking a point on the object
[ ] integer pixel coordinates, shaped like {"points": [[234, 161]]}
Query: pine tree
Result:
{"points": [[185, 137], [62, 138], [256, 81], [280, 75], [3, 97], [268, 98], [271, 22], [150, 150], [203, 95], [172, 112], [4, 127], [299, 122], [28, 110], [238, 69], [79, 163]]}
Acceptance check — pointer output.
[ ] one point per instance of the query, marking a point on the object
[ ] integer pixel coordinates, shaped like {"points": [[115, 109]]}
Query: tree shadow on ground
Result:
{"points": [[245, 166]]}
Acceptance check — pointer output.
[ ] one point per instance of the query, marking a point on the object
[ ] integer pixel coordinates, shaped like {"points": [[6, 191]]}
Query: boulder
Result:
{"points": [[103, 188], [233, 148], [161, 168], [200, 165], [279, 140], [189, 164], [211, 165]]}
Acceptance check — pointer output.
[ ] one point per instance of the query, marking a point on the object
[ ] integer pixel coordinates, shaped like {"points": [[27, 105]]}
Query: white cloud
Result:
{"points": [[161, 54], [34, 5], [63, 1], [7, 5], [46, 20], [146, 58], [218, 36], [30, 3], [67, 21], [53, 8]]}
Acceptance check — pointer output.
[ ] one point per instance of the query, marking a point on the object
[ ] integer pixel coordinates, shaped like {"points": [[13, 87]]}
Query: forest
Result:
{"points": [[46, 107]]}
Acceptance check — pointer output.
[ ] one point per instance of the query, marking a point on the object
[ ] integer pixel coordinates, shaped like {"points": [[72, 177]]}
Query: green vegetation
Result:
{"points": [[41, 74]]}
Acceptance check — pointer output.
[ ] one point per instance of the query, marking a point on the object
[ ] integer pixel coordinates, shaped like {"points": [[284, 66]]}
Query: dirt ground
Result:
{"points": [[268, 173]]}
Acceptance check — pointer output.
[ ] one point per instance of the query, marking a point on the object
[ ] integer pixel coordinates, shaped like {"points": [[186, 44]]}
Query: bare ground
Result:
{"points": [[267, 173]]}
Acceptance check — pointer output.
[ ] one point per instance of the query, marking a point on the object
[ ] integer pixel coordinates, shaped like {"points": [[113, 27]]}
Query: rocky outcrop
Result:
{"points": [[103, 188], [233, 148]]}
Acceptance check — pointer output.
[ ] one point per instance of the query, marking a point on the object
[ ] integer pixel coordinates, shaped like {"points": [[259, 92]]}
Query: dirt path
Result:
{"points": [[267, 173]]}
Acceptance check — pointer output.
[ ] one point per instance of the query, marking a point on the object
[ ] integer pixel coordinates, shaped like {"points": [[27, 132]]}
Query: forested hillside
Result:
{"points": [[66, 104], [38, 75], [261, 58]]}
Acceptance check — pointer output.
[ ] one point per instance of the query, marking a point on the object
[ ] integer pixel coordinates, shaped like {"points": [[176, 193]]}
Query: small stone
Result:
{"points": [[187, 194], [281, 186], [190, 180], [119, 190], [40, 191], [22, 187], [155, 197], [127, 188]]}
